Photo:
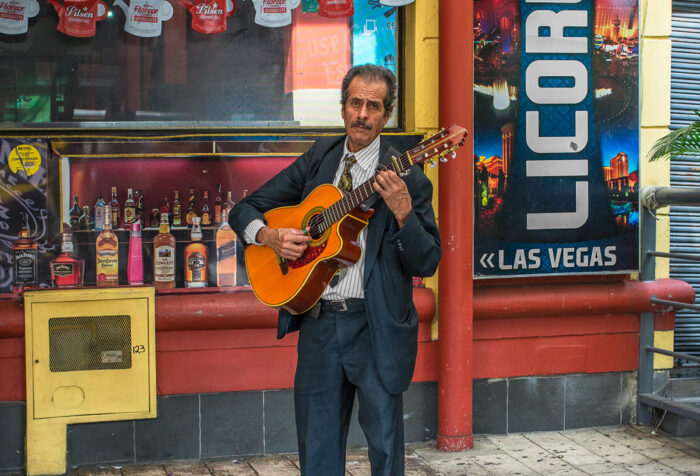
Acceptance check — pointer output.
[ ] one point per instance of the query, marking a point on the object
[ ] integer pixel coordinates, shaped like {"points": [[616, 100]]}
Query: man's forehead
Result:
{"points": [[371, 89]]}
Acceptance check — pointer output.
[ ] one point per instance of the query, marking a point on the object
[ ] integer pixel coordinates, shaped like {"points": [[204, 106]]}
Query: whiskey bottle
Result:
{"points": [[24, 257], [192, 208], [206, 213], [129, 209], [155, 217], [66, 268], [115, 208], [226, 259], [140, 210], [196, 258], [107, 255], [228, 205], [177, 209], [134, 267], [84, 221], [99, 214], [165, 206], [164, 255], [75, 213], [218, 206]]}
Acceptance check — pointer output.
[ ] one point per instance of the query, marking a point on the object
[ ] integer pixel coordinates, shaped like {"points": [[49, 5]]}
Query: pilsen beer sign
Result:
{"points": [[556, 137]]}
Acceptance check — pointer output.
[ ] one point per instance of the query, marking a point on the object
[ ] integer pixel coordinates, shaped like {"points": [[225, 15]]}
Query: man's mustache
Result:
{"points": [[361, 123]]}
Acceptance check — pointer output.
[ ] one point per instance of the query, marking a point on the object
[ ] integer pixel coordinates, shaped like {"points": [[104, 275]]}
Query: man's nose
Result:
{"points": [[364, 111]]}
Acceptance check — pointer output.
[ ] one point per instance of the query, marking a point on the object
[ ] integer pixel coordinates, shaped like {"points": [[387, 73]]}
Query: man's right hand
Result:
{"points": [[289, 243]]}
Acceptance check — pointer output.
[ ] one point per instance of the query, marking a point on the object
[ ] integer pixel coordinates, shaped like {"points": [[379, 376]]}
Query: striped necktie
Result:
{"points": [[346, 185]]}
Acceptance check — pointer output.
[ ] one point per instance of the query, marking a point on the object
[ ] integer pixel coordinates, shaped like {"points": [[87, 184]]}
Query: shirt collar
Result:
{"points": [[368, 157]]}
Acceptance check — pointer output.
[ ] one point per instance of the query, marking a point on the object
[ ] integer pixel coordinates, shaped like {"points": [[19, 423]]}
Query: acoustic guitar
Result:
{"points": [[334, 220]]}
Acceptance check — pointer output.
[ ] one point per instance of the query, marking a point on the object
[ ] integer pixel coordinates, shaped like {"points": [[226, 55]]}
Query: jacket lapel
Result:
{"points": [[379, 221], [328, 167]]}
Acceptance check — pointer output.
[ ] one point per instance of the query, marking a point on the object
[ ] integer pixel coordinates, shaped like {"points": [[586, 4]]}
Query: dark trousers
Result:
{"points": [[335, 361]]}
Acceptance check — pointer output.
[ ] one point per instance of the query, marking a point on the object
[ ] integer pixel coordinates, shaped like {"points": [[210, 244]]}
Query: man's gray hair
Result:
{"points": [[371, 72]]}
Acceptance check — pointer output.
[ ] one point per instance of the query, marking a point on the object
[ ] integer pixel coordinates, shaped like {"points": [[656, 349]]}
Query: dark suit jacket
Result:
{"points": [[392, 255]]}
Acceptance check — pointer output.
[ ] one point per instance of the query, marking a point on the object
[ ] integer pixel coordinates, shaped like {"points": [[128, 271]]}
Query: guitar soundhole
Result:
{"points": [[315, 227], [316, 247]]}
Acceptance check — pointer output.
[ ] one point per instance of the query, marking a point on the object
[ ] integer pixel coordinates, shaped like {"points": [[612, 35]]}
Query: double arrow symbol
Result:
{"points": [[484, 260]]}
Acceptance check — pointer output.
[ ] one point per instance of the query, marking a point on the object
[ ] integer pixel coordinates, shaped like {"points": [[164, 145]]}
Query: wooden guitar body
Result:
{"points": [[297, 285]]}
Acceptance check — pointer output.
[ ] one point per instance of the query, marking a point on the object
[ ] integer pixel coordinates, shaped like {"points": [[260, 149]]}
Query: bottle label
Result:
{"points": [[25, 267], [129, 214], [206, 218], [164, 264], [226, 251], [115, 216], [99, 218], [217, 214], [177, 216], [197, 263], [107, 266], [62, 269]]}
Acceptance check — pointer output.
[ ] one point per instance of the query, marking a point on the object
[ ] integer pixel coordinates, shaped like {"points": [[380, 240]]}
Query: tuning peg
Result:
{"points": [[453, 155], [432, 164], [443, 159]]}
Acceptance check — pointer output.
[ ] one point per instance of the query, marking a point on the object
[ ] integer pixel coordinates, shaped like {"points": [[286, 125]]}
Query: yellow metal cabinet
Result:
{"points": [[90, 356]]}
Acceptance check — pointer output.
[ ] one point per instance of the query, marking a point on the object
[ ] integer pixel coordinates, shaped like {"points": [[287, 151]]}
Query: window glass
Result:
{"points": [[202, 63]]}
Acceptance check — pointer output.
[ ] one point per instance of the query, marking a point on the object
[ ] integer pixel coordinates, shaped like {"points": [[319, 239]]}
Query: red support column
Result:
{"points": [[455, 215]]}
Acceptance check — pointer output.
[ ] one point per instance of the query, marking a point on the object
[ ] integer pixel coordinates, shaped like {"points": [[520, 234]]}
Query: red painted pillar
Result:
{"points": [[455, 215]]}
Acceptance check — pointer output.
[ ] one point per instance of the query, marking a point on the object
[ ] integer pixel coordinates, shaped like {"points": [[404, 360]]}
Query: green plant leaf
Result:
{"points": [[684, 141]]}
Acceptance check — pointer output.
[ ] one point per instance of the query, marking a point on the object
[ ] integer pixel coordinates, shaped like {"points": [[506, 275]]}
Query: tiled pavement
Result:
{"points": [[615, 450]]}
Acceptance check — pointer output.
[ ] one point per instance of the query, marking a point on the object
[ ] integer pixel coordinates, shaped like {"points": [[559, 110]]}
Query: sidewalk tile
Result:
{"points": [[230, 468], [652, 467], [502, 464], [531, 455], [194, 468], [635, 439], [456, 463], [562, 447], [686, 465], [273, 466], [102, 471], [357, 464], [415, 466], [144, 470], [604, 468]]}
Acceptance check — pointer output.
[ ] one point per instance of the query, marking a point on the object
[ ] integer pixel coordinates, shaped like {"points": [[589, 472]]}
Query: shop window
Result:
{"points": [[259, 66]]}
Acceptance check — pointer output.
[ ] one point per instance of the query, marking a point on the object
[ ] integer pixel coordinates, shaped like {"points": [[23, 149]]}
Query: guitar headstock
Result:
{"points": [[439, 146]]}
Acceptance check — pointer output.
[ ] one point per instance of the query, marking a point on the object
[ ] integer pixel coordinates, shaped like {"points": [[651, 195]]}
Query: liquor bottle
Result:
{"points": [[66, 268], [226, 258], [107, 254], [218, 206], [164, 255], [206, 213], [84, 221], [134, 268], [155, 217], [177, 209], [75, 213], [24, 257], [196, 258], [165, 206], [192, 208], [140, 210], [99, 213], [129, 209], [115, 208], [228, 205]]}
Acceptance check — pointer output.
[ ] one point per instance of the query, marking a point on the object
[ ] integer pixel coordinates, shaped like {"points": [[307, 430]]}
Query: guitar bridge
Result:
{"points": [[284, 267]]}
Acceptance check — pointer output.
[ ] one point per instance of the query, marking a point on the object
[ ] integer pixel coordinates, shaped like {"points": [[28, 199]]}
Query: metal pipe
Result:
{"points": [[682, 305], [657, 197], [678, 355], [455, 285], [683, 256]]}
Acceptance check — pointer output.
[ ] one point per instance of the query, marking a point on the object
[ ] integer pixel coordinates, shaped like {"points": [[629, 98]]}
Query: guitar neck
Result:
{"points": [[350, 201]]}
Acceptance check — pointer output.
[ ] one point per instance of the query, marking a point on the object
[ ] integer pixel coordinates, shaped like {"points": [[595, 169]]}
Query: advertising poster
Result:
{"points": [[374, 34], [23, 190], [556, 137]]}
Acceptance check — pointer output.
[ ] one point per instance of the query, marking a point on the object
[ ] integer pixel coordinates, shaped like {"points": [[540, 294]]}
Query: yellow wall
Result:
{"points": [[420, 79], [655, 105]]}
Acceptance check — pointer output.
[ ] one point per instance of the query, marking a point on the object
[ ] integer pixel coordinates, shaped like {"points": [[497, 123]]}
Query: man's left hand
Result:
{"points": [[393, 190]]}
